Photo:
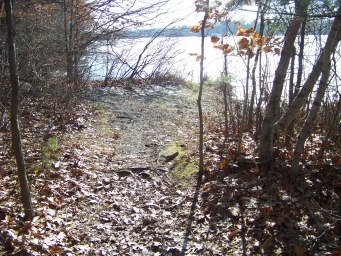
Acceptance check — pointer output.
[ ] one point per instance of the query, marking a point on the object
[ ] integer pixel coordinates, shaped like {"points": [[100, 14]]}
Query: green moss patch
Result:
{"points": [[183, 167]]}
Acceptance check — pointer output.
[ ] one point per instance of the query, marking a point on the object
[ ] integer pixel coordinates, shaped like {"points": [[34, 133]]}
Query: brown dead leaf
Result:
{"points": [[223, 164], [225, 46], [241, 31], [267, 243], [54, 249], [250, 30], [337, 252], [215, 39], [205, 118], [35, 234], [243, 43], [257, 38], [266, 211], [255, 170], [206, 186], [195, 29], [267, 48], [233, 234], [228, 50], [298, 250]]}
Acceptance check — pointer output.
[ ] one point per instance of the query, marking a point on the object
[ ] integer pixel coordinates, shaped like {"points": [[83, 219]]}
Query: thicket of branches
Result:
{"points": [[301, 100], [63, 43], [57, 44]]}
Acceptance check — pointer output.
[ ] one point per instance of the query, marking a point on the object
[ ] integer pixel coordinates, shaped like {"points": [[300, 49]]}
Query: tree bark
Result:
{"points": [[267, 133], [15, 130]]}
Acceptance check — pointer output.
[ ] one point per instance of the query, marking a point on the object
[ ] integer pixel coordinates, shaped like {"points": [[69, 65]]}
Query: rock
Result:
{"points": [[123, 173], [172, 156], [139, 169]]}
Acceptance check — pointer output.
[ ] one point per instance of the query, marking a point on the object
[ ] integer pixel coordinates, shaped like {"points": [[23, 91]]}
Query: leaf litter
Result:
{"points": [[106, 189]]}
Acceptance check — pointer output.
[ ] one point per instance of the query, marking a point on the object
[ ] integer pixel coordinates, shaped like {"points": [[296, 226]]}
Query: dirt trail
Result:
{"points": [[133, 206], [141, 125]]}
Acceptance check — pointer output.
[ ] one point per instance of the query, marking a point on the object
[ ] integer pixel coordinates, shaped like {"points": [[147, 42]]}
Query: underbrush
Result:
{"points": [[272, 214], [48, 120], [156, 79]]}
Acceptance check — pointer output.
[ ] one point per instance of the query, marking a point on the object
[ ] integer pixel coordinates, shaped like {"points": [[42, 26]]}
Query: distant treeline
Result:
{"points": [[315, 27], [183, 31]]}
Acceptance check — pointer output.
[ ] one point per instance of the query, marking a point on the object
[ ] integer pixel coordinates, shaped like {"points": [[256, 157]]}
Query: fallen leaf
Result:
{"points": [[267, 243], [299, 250], [35, 234], [233, 234]]}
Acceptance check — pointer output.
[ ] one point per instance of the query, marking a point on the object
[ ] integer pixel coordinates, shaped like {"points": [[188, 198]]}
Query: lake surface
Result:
{"points": [[185, 65]]}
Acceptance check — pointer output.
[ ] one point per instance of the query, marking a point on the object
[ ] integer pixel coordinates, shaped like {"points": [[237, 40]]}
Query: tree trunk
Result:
{"points": [[290, 129], [224, 85], [300, 58], [253, 92], [16, 140], [294, 90], [261, 11], [2, 43], [267, 133], [309, 122], [68, 39], [201, 121], [309, 84], [241, 128]]}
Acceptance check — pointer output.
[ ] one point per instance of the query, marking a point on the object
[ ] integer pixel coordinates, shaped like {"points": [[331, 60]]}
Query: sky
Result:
{"points": [[183, 11], [186, 9]]}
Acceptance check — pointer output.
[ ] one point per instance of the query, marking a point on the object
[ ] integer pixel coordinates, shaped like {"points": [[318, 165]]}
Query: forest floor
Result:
{"points": [[117, 176]]}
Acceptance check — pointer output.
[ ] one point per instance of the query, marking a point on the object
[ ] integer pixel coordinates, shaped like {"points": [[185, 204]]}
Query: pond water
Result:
{"points": [[184, 63]]}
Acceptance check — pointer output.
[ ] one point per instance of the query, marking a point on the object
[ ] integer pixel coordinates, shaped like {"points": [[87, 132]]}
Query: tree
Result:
{"points": [[267, 133], [126, 61], [302, 95], [15, 130], [202, 6], [2, 44], [52, 39], [335, 37], [59, 39]]}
